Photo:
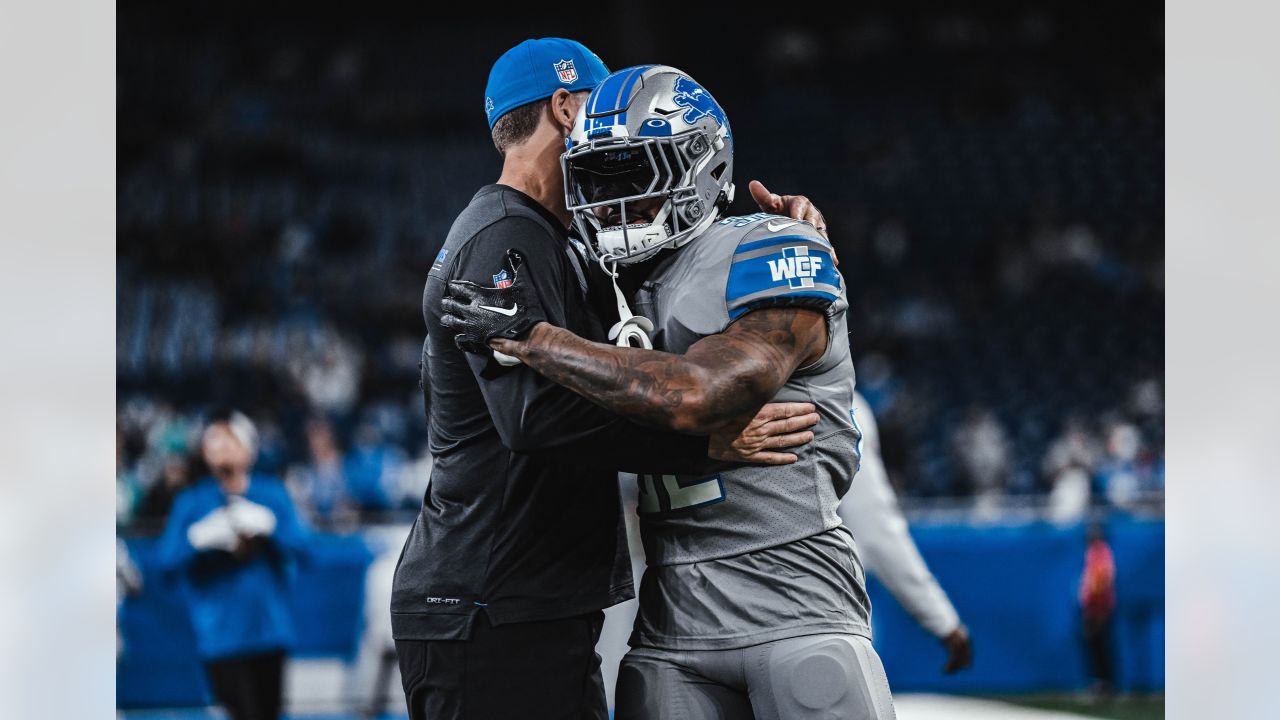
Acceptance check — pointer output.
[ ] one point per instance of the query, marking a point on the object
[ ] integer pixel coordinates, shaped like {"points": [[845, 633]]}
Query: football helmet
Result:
{"points": [[648, 139]]}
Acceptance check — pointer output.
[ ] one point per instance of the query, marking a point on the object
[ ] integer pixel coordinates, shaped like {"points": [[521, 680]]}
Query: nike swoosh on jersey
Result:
{"points": [[509, 312], [783, 226]]}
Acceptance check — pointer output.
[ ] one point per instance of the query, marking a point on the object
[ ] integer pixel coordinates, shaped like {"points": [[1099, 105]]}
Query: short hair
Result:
{"points": [[238, 424], [517, 125]]}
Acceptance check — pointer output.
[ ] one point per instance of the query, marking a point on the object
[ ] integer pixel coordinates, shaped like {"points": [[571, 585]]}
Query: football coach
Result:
{"points": [[520, 543]]}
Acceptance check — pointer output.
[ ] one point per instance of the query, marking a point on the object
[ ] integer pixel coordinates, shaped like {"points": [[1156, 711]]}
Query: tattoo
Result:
{"points": [[719, 380]]}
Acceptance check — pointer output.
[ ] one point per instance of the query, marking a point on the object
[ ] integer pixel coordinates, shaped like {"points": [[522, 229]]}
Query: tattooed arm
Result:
{"points": [[719, 380]]}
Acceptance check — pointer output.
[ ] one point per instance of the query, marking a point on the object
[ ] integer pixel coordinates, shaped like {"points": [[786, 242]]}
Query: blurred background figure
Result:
{"points": [[870, 510], [329, 375], [1097, 603], [234, 538], [1125, 474], [175, 475], [128, 583], [373, 468], [981, 450], [319, 485], [1068, 467]]}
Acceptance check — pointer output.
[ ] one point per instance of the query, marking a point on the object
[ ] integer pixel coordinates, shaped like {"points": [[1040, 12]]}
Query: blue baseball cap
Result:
{"points": [[535, 69]]}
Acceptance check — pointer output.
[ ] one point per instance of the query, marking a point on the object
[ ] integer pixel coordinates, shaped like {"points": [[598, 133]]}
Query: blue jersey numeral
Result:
{"points": [[669, 493]]}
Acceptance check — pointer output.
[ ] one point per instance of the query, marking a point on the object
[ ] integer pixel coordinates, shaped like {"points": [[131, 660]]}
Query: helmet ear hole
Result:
{"points": [[718, 170], [691, 213]]}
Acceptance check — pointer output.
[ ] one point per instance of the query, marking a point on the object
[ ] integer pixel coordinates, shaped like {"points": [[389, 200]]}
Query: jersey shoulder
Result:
{"points": [[776, 261]]}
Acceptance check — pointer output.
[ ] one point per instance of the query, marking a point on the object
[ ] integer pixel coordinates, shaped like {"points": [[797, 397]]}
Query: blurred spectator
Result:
{"points": [[128, 584], [981, 449], [128, 484], [890, 242], [174, 476], [413, 479], [233, 540], [1122, 477], [1074, 245], [1097, 603], [273, 452], [373, 468], [923, 313], [1069, 496], [1074, 447], [319, 486], [330, 377], [877, 383], [1146, 399], [1068, 467]]}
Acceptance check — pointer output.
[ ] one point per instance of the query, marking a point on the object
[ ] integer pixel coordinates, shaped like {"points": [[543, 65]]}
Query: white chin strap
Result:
{"points": [[630, 330]]}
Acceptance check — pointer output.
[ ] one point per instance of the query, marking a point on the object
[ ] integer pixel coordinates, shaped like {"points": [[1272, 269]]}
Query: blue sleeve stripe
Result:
{"points": [[782, 272], [778, 240], [824, 297]]}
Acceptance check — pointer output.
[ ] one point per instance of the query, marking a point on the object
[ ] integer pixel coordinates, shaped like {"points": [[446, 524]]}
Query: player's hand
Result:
{"points": [[478, 313], [798, 207], [959, 650], [777, 426]]}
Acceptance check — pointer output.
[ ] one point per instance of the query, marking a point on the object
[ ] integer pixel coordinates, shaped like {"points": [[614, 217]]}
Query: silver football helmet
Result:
{"points": [[648, 138]]}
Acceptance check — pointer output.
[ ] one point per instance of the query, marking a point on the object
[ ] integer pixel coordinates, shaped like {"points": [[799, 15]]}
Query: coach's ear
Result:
{"points": [[564, 109]]}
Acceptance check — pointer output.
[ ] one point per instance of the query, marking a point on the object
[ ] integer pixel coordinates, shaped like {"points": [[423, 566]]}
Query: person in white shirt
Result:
{"points": [[870, 509]]}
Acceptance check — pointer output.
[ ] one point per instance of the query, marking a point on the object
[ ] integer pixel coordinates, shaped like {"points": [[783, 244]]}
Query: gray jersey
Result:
{"points": [[770, 534]]}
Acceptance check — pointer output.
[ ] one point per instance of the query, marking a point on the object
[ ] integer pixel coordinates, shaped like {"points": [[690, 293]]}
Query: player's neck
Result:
{"points": [[631, 277], [533, 168]]}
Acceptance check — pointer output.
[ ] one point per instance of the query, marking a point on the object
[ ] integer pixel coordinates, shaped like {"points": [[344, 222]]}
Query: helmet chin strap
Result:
{"points": [[630, 330]]}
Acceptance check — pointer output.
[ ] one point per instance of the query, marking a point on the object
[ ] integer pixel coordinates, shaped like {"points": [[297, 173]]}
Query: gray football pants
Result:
{"points": [[815, 676]]}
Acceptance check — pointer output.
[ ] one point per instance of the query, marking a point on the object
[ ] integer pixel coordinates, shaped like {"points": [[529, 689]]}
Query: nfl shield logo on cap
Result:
{"points": [[566, 71]]}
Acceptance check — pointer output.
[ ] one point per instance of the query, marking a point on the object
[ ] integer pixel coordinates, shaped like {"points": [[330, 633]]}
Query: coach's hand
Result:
{"points": [[776, 427], [959, 650], [798, 207], [478, 314]]}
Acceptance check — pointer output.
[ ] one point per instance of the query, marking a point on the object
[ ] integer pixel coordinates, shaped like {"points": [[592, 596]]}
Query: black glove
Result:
{"points": [[479, 313]]}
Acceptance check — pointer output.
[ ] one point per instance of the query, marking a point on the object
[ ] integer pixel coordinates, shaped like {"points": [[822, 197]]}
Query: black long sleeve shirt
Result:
{"points": [[522, 517]]}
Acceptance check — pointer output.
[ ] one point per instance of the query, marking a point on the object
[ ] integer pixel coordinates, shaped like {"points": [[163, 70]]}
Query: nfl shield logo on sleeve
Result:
{"points": [[502, 280], [565, 69]]}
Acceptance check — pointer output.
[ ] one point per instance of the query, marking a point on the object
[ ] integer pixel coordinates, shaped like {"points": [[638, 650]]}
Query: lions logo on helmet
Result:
{"points": [[649, 164], [691, 95]]}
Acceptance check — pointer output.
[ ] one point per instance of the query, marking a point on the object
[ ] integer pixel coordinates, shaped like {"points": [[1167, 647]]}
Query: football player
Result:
{"points": [[753, 600]]}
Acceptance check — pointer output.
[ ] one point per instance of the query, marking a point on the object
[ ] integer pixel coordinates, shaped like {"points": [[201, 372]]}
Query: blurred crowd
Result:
{"points": [[335, 485], [993, 184]]}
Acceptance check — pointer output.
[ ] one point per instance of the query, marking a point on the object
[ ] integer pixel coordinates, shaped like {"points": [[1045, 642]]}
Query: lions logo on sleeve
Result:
{"points": [[781, 262]]}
